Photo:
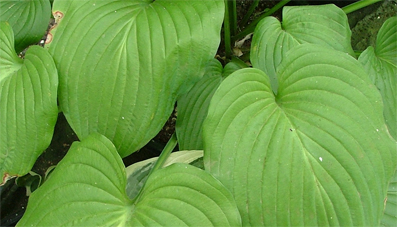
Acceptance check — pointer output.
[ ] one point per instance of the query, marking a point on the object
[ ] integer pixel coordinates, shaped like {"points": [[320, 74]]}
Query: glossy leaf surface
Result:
{"points": [[122, 64], [380, 62], [28, 105], [28, 18], [87, 188], [193, 106], [316, 154], [324, 25]]}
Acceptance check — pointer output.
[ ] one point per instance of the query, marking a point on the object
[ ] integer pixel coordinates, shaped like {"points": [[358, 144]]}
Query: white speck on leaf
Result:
{"points": [[321, 159]]}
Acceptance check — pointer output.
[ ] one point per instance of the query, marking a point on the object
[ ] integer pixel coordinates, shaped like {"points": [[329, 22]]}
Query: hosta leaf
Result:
{"points": [[123, 63], [390, 215], [381, 64], [87, 188], [137, 173], [28, 18], [28, 105], [193, 106], [326, 25], [316, 154]]}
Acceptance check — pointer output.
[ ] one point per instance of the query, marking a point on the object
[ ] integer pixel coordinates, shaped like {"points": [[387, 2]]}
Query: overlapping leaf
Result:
{"points": [[380, 62], [123, 63], [316, 154], [87, 188], [28, 19], [325, 25], [390, 215], [28, 105], [193, 106]]}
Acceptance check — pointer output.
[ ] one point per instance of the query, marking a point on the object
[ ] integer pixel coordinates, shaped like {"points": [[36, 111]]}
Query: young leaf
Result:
{"points": [[326, 25], [28, 19], [87, 188], [193, 106], [122, 64], [316, 154], [380, 62], [28, 105]]}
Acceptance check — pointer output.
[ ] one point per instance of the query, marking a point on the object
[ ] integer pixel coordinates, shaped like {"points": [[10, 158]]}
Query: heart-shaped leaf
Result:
{"points": [[326, 25], [381, 65], [28, 105], [316, 154], [123, 63], [193, 106], [87, 188], [28, 19]]}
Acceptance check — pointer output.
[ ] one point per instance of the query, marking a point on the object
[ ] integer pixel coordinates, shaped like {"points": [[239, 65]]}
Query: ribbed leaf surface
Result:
{"points": [[87, 188], [193, 106], [123, 63], [325, 25], [28, 105], [381, 65], [316, 154], [28, 18]]}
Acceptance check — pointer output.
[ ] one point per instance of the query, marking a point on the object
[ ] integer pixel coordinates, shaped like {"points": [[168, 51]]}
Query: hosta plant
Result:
{"points": [[305, 136]]}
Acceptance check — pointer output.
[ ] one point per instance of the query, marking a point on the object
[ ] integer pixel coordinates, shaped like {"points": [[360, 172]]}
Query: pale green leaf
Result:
{"points": [[326, 25], [381, 65], [28, 18], [137, 173], [28, 105], [87, 188], [316, 154], [193, 106], [122, 64]]}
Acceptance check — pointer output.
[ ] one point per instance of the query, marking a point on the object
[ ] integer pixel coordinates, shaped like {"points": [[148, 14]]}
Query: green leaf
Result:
{"points": [[87, 188], [316, 154], [28, 18], [193, 106], [28, 105], [122, 64], [137, 173], [381, 65], [390, 215], [326, 25]]}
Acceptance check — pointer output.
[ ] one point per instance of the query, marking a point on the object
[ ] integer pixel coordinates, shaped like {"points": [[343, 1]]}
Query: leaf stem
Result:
{"points": [[251, 27], [229, 26], [165, 153], [358, 5], [249, 13]]}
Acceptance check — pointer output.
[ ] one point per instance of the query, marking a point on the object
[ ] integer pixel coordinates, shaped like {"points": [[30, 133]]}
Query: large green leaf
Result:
{"points": [[28, 105], [381, 65], [87, 188], [326, 25], [316, 154], [193, 106], [123, 63], [28, 18]]}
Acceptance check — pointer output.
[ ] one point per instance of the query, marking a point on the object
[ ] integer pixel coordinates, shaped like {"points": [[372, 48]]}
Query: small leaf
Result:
{"points": [[122, 64], [326, 25], [87, 188], [193, 106], [28, 19], [28, 105], [381, 65], [316, 154]]}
